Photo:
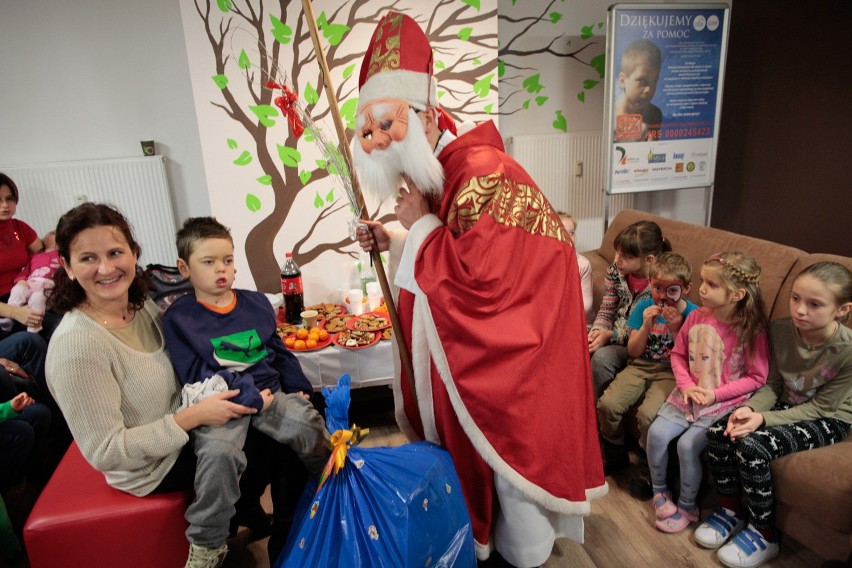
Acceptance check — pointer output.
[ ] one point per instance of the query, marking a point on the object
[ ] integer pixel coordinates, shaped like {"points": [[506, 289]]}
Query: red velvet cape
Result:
{"points": [[503, 286]]}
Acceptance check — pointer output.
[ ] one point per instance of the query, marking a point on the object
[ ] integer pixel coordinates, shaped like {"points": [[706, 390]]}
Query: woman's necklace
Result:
{"points": [[8, 234], [111, 320]]}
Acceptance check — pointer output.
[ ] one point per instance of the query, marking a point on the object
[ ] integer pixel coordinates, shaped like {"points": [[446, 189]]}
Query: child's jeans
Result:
{"points": [[607, 361], [655, 381]]}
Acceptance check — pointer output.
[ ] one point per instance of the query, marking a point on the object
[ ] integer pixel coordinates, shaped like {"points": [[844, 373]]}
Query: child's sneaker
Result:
{"points": [[664, 507], [748, 549], [718, 528], [679, 521], [203, 557]]}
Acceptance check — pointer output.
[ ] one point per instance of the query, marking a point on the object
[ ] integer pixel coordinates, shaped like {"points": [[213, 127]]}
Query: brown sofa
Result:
{"points": [[814, 488]]}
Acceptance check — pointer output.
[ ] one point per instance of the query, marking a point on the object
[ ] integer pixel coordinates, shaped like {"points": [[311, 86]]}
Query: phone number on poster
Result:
{"points": [[687, 132]]}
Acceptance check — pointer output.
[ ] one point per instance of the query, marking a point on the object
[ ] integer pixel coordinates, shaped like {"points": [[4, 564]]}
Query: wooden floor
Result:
{"points": [[619, 533]]}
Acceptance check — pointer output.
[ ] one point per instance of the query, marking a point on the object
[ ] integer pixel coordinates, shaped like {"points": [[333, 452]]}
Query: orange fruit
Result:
{"points": [[302, 333], [311, 343], [289, 342], [314, 331], [299, 345], [314, 336], [323, 335]]}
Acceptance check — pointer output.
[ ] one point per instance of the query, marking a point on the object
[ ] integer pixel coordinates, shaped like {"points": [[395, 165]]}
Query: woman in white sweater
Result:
{"points": [[109, 371]]}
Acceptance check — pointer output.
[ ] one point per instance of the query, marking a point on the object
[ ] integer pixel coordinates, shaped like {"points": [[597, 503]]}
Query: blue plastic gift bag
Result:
{"points": [[386, 507]]}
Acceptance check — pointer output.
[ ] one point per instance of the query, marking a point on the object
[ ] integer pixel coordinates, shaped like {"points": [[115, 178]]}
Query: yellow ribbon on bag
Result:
{"points": [[341, 440]]}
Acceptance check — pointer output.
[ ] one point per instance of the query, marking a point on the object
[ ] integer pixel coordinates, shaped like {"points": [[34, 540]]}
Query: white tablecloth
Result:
{"points": [[368, 367]]}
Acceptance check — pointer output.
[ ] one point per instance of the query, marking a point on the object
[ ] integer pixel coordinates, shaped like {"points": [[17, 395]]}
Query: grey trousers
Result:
{"points": [[290, 419]]}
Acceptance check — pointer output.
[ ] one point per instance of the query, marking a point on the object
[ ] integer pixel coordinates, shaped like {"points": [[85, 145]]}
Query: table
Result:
{"points": [[368, 367]]}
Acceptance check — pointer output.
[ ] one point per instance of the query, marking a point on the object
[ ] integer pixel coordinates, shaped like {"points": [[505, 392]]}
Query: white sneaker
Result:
{"points": [[203, 557], [748, 549], [717, 528]]}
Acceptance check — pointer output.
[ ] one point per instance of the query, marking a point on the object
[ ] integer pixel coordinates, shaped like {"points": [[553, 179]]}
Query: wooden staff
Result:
{"points": [[404, 355]]}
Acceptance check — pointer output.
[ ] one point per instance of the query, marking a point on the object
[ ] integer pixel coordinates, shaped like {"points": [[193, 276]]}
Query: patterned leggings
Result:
{"points": [[743, 465]]}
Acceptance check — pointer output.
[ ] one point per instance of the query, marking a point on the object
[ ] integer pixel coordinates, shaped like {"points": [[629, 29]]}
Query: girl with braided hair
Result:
{"points": [[721, 356], [805, 404]]}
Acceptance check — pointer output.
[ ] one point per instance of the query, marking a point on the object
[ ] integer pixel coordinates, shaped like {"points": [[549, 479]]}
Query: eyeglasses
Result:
{"points": [[718, 257]]}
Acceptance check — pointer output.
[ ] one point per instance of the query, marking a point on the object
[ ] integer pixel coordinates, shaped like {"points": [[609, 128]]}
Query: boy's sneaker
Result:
{"points": [[717, 528], [203, 557], [640, 484], [748, 549], [615, 457]]}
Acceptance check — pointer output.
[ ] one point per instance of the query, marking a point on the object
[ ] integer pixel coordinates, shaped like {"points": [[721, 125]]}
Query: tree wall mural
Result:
{"points": [[279, 192]]}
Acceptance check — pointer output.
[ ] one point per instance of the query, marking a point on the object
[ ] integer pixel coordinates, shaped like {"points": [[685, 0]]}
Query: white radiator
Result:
{"points": [[554, 161], [137, 186]]}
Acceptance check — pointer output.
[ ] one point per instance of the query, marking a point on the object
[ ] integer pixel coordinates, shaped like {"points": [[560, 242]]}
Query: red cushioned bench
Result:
{"points": [[81, 522]]}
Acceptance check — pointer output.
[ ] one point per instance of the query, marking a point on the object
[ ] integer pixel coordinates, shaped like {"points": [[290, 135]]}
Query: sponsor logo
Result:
{"points": [[679, 167], [623, 157], [656, 158], [698, 154], [622, 171], [677, 156], [702, 165], [640, 170], [690, 166], [661, 169]]}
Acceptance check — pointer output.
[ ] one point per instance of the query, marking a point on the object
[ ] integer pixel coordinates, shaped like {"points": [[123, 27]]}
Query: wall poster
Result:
{"points": [[665, 66]]}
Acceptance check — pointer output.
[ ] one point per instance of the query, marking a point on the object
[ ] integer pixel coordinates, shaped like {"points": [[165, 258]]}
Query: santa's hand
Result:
{"points": [[372, 233], [410, 206]]}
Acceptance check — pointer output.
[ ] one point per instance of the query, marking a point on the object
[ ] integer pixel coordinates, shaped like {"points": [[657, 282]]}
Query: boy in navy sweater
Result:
{"points": [[218, 330]]}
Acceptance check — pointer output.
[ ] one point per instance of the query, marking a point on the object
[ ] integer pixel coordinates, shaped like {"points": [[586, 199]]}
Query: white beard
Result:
{"points": [[381, 171]]}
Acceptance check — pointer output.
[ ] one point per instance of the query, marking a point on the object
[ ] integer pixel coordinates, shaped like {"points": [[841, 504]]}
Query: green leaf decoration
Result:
{"points": [[598, 63], [329, 197], [347, 112], [253, 203], [310, 135], [383, 257], [348, 71], [483, 86], [322, 164], [586, 32], [305, 176], [441, 94], [590, 84], [311, 94], [440, 65], [220, 80], [581, 96], [526, 104], [464, 33], [560, 123], [332, 169], [531, 83], [318, 202], [263, 114], [334, 33], [600, 25], [540, 100], [322, 21], [472, 3], [224, 5], [244, 159], [488, 108], [290, 156], [232, 144], [244, 60], [501, 68], [281, 31], [555, 17], [265, 180]]}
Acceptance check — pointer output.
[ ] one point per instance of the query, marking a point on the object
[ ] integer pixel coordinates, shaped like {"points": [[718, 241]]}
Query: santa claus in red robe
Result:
{"points": [[489, 298]]}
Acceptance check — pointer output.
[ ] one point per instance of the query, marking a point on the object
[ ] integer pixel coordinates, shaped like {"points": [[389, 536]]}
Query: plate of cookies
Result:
{"points": [[325, 311], [371, 321], [354, 339], [336, 323]]}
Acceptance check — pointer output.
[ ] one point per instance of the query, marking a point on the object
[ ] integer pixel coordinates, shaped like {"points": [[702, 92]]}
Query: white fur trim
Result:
{"points": [[417, 89], [421, 229]]}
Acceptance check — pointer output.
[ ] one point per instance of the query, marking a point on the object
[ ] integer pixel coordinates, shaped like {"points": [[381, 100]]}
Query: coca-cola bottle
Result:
{"points": [[291, 287]]}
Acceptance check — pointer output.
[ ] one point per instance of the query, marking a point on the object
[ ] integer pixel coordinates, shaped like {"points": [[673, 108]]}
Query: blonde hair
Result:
{"points": [[738, 271], [672, 264]]}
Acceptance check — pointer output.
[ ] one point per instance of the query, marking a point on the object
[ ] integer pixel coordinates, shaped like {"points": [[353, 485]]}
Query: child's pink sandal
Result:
{"points": [[679, 521], [664, 507]]}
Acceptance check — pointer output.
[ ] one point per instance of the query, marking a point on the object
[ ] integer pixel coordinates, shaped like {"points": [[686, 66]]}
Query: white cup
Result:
{"points": [[373, 289], [356, 301]]}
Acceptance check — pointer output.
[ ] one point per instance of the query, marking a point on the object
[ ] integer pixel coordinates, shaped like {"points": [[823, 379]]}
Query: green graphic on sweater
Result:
{"points": [[242, 347]]}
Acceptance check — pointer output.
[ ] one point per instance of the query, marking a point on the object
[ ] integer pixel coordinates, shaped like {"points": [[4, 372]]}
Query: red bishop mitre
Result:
{"points": [[399, 65]]}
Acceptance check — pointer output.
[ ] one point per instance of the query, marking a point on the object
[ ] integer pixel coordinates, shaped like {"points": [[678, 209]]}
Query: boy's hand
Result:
{"points": [[743, 421], [21, 401], [649, 315], [267, 397], [304, 395], [673, 318], [598, 338]]}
